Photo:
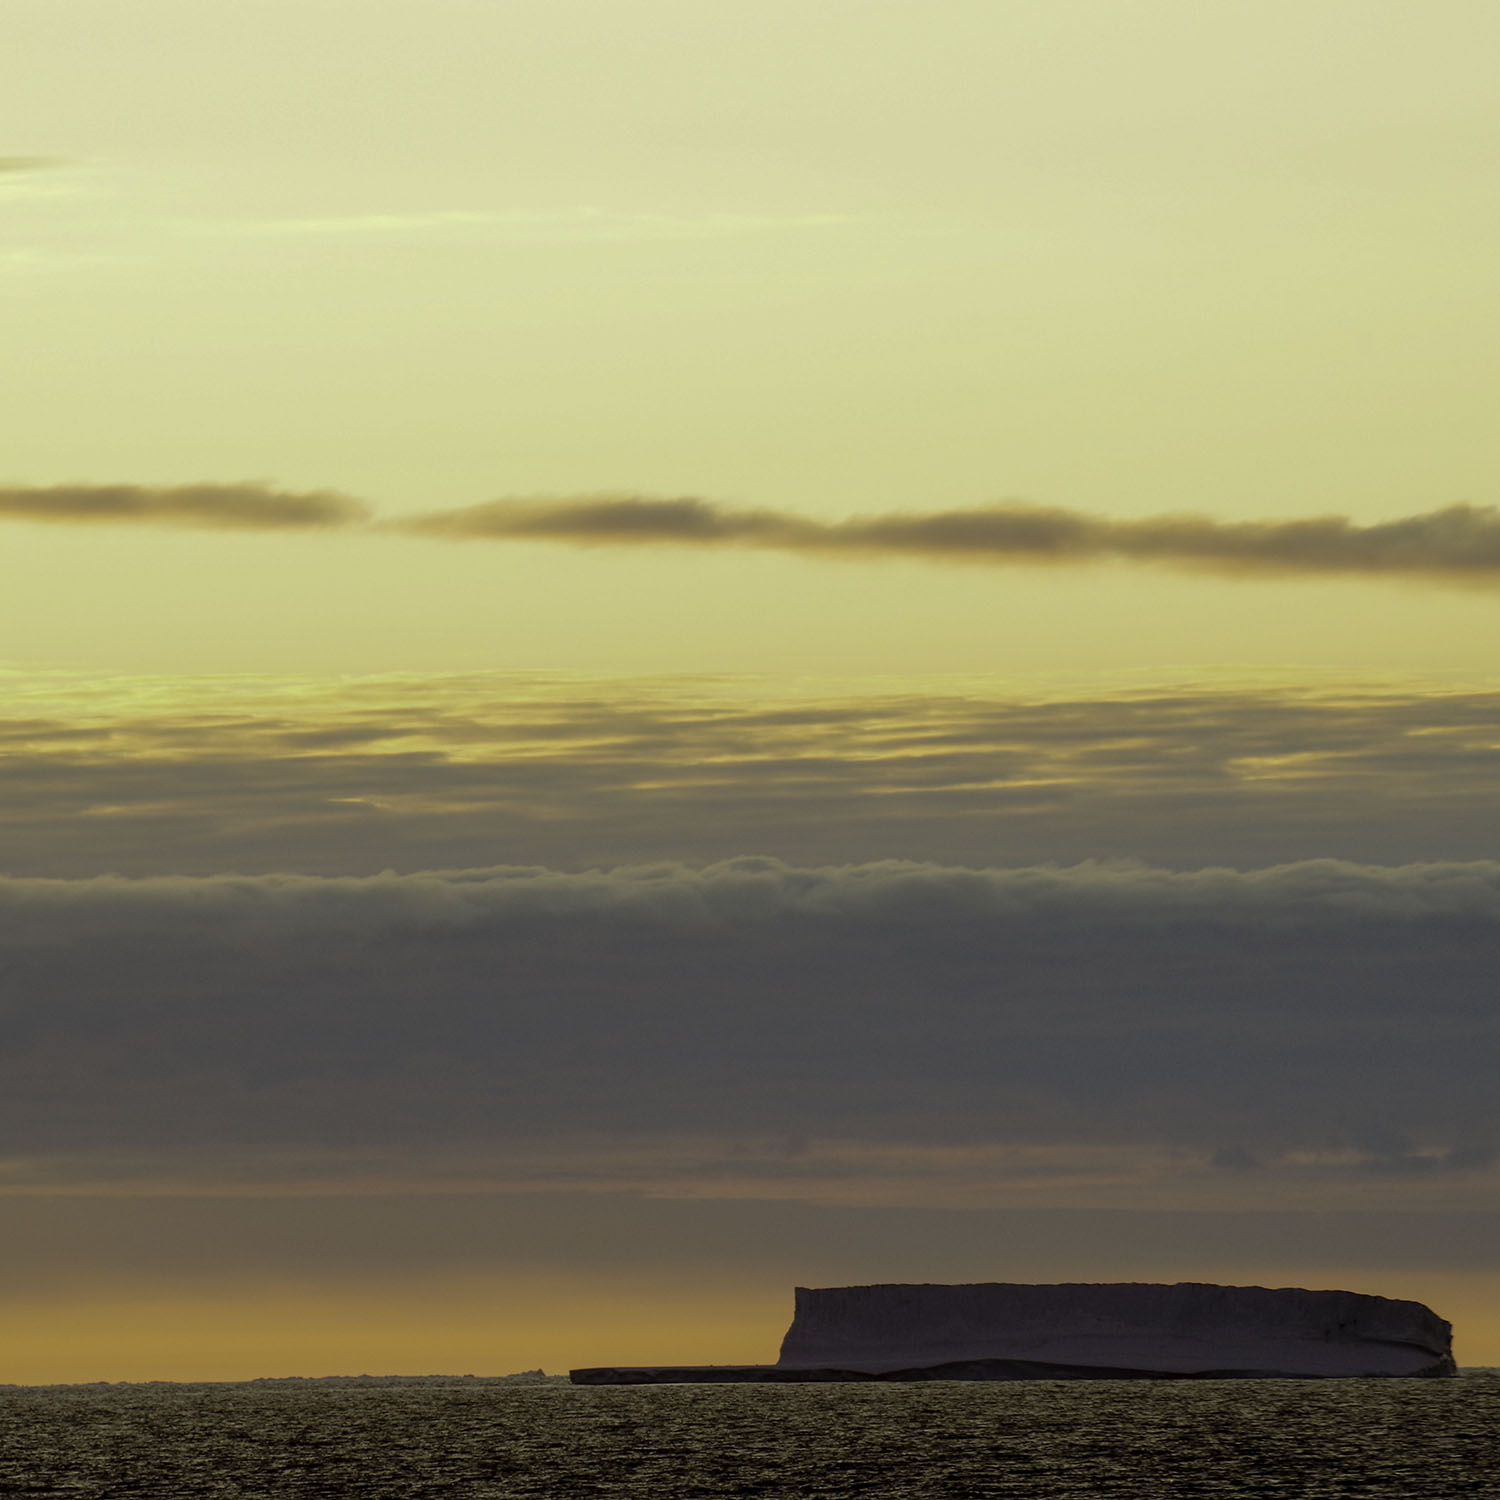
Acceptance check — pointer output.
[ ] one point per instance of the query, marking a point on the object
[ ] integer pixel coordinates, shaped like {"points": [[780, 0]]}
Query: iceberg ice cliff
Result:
{"points": [[1081, 1331]]}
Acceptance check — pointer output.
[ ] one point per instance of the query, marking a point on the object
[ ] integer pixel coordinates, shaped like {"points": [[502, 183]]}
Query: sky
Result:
{"points": [[653, 651]]}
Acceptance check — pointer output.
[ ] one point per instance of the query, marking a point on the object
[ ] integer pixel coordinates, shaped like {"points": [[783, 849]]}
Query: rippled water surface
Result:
{"points": [[1143, 1439]]}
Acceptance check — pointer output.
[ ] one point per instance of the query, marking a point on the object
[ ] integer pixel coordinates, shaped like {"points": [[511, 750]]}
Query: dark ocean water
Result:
{"points": [[1417, 1440]]}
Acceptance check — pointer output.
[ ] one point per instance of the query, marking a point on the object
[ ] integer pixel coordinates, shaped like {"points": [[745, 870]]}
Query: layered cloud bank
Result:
{"points": [[349, 777], [1458, 543], [1320, 1018]]}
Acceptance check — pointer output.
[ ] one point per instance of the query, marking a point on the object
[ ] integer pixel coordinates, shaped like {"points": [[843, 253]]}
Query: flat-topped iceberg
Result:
{"points": [[1190, 1328], [1082, 1331]]}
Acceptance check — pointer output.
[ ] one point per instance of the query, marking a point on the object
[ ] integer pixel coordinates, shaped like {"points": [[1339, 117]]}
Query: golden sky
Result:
{"points": [[829, 260], [638, 435]]}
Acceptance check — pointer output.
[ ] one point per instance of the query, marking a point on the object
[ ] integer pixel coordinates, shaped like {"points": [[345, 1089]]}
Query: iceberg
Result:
{"points": [[1082, 1331]]}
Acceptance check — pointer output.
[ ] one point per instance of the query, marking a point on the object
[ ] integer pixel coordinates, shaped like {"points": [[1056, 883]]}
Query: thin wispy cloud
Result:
{"points": [[68, 229], [241, 507], [583, 223], [12, 165], [29, 184]]}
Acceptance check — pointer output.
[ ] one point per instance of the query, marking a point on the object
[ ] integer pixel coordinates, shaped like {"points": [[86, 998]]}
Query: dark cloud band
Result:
{"points": [[243, 507], [1460, 541], [1313, 1007]]}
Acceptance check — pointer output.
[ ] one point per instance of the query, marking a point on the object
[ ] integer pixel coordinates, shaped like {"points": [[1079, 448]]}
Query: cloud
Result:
{"points": [[14, 164], [1456, 543], [247, 507], [605, 519], [550, 226], [754, 892], [883, 1022], [336, 1240], [154, 777]]}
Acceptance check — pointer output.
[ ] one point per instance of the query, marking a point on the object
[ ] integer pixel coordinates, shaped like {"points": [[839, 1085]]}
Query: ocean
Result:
{"points": [[1305, 1440]]}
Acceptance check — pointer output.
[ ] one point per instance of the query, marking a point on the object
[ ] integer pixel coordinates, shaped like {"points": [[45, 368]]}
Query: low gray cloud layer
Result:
{"points": [[1460, 541], [1315, 1013], [244, 507]]}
